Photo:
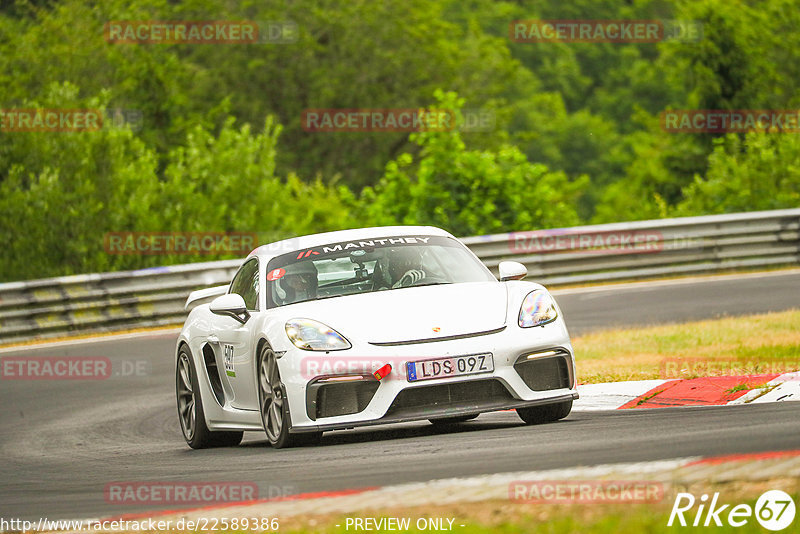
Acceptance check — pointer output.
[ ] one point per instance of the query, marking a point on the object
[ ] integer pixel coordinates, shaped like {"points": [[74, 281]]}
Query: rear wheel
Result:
{"points": [[190, 409], [274, 405], [452, 420], [547, 413]]}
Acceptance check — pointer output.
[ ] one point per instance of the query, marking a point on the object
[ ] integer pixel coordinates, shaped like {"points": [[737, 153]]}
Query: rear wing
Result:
{"points": [[202, 294]]}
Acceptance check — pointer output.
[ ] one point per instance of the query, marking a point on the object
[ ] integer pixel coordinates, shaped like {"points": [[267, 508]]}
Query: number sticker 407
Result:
{"points": [[227, 357]]}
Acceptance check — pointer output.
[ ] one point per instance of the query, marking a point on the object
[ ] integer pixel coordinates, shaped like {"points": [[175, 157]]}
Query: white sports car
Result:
{"points": [[364, 327]]}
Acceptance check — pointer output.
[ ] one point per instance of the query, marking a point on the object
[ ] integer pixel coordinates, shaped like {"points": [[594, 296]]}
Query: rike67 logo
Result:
{"points": [[774, 510]]}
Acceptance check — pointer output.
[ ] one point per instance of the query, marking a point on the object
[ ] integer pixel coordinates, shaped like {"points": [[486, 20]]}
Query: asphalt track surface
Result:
{"points": [[62, 442]]}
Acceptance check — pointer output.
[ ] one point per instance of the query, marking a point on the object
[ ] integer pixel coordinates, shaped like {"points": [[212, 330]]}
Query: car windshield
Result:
{"points": [[368, 265]]}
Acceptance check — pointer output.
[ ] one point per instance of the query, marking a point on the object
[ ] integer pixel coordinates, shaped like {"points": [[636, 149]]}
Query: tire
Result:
{"points": [[274, 405], [190, 409], [444, 421], [536, 415]]}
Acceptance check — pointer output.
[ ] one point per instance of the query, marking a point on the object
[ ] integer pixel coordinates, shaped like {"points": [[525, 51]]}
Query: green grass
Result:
{"points": [[738, 345], [738, 387]]}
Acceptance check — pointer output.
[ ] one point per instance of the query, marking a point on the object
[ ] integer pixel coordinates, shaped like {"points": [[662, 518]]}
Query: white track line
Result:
{"points": [[44, 344], [783, 388], [612, 395]]}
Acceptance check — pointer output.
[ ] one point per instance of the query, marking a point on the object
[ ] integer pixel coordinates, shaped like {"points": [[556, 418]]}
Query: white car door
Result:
{"points": [[234, 342]]}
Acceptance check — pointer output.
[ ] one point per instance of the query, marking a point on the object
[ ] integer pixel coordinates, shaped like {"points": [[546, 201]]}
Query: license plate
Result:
{"points": [[446, 367]]}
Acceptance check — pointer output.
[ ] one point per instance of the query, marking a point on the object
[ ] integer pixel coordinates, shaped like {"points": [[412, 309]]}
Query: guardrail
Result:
{"points": [[647, 249], [600, 253]]}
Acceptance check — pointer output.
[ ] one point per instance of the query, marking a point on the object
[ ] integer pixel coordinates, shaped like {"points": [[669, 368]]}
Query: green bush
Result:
{"points": [[761, 172], [469, 192], [63, 192]]}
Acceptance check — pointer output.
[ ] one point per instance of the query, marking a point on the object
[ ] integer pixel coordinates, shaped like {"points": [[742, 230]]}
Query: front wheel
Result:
{"points": [[274, 405], [536, 415], [190, 409]]}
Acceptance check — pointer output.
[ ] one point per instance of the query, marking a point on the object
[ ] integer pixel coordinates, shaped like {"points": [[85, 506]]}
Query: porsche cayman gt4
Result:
{"points": [[364, 327]]}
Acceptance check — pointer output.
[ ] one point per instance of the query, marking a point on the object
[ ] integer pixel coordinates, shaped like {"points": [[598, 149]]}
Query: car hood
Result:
{"points": [[411, 314]]}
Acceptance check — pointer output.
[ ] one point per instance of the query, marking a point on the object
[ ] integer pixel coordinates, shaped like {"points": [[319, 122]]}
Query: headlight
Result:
{"points": [[308, 334], [537, 309]]}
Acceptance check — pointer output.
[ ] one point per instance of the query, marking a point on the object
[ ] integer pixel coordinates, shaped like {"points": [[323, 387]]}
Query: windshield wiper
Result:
{"points": [[428, 284]]}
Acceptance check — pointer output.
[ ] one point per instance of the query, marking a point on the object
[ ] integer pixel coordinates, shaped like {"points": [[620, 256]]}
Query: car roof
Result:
{"points": [[270, 250]]}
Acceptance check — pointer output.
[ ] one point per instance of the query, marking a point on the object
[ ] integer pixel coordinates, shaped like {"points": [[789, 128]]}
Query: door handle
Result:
{"points": [[213, 339]]}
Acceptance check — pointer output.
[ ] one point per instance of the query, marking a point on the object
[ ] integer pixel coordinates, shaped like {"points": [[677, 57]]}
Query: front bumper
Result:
{"points": [[433, 413], [395, 399]]}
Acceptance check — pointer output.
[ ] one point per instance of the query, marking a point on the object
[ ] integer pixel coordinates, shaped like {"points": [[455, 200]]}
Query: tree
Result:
{"points": [[760, 173], [470, 192]]}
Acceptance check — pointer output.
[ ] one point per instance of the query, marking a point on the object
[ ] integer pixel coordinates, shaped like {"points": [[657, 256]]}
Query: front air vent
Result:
{"points": [[545, 373], [212, 370], [329, 398]]}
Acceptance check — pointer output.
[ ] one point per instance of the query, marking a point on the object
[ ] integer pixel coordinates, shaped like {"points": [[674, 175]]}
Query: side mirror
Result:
{"points": [[231, 305], [512, 270]]}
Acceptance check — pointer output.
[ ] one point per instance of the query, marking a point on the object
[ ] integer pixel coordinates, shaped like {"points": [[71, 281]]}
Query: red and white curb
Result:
{"points": [[706, 391]]}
